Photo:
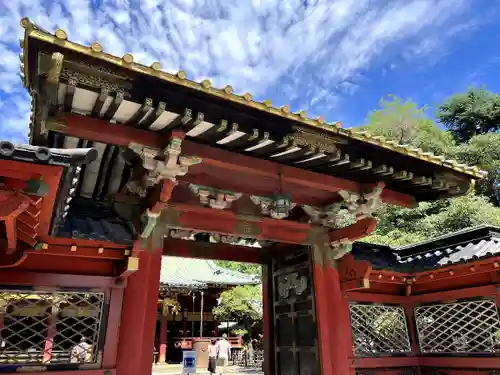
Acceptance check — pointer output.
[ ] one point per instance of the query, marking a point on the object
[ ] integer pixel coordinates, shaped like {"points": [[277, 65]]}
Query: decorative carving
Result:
{"points": [[54, 73], [161, 165], [325, 216], [94, 81], [321, 141], [289, 282], [362, 205], [214, 198], [267, 209]]}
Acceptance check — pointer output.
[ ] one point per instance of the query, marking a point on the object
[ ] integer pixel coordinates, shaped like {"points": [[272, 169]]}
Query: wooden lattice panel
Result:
{"points": [[41, 328], [458, 327], [379, 329]]}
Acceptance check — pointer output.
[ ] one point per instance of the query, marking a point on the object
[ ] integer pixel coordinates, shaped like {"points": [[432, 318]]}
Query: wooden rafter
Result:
{"points": [[220, 161]]}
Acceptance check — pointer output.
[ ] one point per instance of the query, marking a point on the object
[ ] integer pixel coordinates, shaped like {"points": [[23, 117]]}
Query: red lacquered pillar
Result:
{"points": [[51, 333], [139, 313], [332, 314], [163, 335]]}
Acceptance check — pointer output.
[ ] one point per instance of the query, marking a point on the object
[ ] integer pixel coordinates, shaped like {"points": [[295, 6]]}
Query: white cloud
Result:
{"points": [[310, 52]]}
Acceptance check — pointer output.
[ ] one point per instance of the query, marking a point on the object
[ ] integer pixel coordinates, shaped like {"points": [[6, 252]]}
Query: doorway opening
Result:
{"points": [[204, 300]]}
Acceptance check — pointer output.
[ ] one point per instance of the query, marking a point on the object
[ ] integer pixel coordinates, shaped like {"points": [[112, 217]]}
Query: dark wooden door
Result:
{"points": [[293, 314]]}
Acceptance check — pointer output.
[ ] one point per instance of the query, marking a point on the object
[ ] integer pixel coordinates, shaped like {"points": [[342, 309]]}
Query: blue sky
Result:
{"points": [[334, 58]]}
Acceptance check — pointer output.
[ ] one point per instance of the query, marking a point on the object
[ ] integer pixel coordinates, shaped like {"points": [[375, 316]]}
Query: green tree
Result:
{"points": [[402, 226], [484, 151], [474, 112], [249, 268], [407, 123], [241, 304]]}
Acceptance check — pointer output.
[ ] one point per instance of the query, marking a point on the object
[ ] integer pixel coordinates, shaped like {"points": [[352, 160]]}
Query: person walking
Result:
{"points": [[212, 357], [223, 348]]}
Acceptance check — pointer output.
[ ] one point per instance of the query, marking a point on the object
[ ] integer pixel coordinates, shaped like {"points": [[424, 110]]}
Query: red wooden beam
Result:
{"points": [[60, 241], [356, 231], [9, 277], [203, 219], [224, 161], [219, 251], [461, 362], [376, 298], [450, 295], [94, 129], [290, 176], [80, 252], [384, 362], [113, 328]]}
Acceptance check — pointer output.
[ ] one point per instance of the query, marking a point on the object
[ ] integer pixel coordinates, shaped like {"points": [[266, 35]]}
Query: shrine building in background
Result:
{"points": [[128, 163]]}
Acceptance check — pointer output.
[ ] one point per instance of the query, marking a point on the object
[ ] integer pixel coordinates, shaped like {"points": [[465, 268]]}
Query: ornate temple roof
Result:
{"points": [[466, 245], [89, 82], [193, 273]]}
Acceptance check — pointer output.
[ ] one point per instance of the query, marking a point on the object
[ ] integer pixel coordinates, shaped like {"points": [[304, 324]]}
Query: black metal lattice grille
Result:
{"points": [[379, 329], [459, 327], [39, 328]]}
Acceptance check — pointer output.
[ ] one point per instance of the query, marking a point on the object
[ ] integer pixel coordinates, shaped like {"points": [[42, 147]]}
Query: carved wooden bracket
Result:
{"points": [[341, 239], [360, 205], [12, 204], [214, 198], [363, 205], [325, 216], [266, 207], [161, 164]]}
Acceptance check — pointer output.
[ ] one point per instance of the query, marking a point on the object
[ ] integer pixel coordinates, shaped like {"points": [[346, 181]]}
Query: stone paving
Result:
{"points": [[177, 370]]}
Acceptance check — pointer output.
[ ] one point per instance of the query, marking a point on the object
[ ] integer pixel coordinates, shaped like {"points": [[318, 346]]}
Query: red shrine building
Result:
{"points": [[189, 291], [128, 163]]}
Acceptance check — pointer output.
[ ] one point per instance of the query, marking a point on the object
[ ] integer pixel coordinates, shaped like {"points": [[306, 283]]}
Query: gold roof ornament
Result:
{"points": [[61, 34], [96, 47], [180, 78], [128, 58]]}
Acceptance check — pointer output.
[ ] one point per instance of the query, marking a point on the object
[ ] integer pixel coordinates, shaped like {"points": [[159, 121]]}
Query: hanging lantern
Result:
{"points": [[281, 207]]}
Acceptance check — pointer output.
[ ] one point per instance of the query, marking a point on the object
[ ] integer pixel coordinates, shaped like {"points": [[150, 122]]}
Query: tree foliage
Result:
{"points": [[407, 123], [484, 151], [401, 226], [468, 114], [241, 304]]}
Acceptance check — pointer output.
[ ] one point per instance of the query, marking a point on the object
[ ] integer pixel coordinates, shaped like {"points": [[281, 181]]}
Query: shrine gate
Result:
{"points": [[128, 162]]}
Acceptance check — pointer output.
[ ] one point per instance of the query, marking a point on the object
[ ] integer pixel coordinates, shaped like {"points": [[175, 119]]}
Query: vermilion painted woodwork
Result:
{"points": [[290, 179], [77, 266], [219, 251], [204, 219], [80, 252], [138, 321], [226, 170], [11, 277], [163, 339], [449, 295], [94, 129], [360, 229], [384, 362], [49, 174], [461, 362], [60, 241], [49, 336], [333, 320], [113, 328], [353, 274]]}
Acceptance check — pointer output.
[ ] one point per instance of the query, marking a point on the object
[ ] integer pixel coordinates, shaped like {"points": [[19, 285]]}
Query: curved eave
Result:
{"points": [[154, 71]]}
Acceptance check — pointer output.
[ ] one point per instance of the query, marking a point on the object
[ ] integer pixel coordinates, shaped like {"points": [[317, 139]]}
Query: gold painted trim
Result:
{"points": [[127, 62]]}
